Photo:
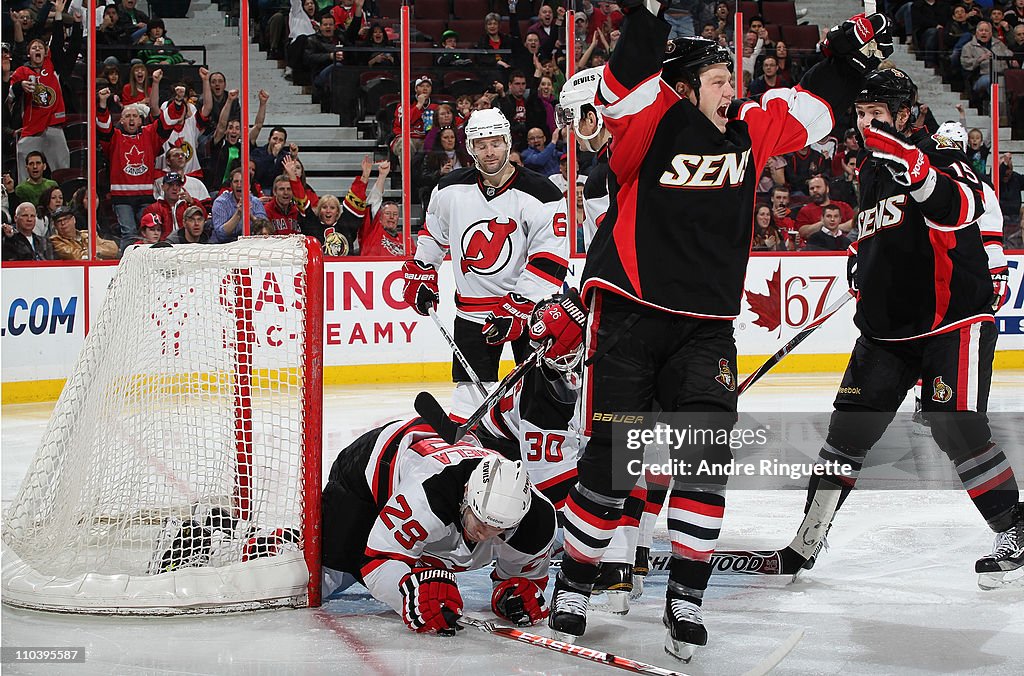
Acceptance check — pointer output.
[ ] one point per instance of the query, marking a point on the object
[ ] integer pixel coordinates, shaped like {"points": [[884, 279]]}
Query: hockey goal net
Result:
{"points": [[180, 470]]}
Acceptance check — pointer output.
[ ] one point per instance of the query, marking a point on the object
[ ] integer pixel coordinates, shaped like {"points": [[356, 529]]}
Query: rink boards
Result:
{"points": [[370, 335]]}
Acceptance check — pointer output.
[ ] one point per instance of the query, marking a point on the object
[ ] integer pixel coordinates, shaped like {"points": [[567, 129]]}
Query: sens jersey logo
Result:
{"points": [[487, 247], [706, 171], [886, 214]]}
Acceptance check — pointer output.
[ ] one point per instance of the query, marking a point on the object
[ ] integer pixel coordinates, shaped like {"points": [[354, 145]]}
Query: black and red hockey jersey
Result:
{"points": [[678, 233], [921, 262]]}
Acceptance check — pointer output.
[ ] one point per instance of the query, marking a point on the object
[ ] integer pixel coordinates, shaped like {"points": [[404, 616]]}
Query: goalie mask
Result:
{"points": [[498, 492], [486, 124], [577, 100]]}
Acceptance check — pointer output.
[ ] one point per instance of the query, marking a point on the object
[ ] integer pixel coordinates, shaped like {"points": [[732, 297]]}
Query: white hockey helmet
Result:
{"points": [[498, 492], [951, 133], [579, 92], [485, 124]]}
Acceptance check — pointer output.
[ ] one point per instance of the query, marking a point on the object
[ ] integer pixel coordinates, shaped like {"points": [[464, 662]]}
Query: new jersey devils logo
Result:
{"points": [[941, 392], [486, 246], [725, 375]]}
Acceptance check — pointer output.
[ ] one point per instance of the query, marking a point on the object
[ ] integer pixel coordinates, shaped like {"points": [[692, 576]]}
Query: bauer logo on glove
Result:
{"points": [[508, 322]]}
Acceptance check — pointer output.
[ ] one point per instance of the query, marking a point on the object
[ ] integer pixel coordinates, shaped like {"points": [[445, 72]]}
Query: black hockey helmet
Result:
{"points": [[685, 57], [894, 88]]}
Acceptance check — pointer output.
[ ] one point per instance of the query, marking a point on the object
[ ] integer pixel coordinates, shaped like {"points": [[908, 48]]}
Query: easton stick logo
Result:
{"points": [[941, 392], [486, 246], [725, 375]]}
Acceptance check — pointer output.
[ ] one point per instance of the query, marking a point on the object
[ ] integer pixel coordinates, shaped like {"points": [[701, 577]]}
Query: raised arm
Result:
{"points": [[204, 76], [261, 116], [225, 116], [154, 93]]}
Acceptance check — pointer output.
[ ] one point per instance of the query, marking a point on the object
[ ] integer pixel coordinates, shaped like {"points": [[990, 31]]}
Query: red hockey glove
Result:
{"points": [[560, 322], [861, 41], [908, 164], [508, 322], [1000, 288], [420, 289], [520, 601], [431, 601]]}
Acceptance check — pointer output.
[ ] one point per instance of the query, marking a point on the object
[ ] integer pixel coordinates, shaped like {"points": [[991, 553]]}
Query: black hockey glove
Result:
{"points": [[431, 601], [861, 41], [851, 271], [1000, 287]]}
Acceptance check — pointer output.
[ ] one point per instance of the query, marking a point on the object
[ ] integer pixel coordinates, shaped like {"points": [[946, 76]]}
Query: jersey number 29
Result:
{"points": [[407, 533]]}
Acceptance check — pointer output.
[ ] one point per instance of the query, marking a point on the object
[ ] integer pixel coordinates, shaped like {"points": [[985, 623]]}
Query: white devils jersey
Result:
{"points": [[502, 239], [420, 479], [538, 415]]}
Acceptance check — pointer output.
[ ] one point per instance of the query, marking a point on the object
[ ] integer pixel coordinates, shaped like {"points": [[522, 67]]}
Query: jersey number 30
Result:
{"points": [[407, 533], [547, 447]]}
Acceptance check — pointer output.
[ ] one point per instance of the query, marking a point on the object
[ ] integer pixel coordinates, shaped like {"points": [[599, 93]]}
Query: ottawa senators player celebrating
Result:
{"points": [[507, 232], [926, 295], [664, 276], [403, 511]]}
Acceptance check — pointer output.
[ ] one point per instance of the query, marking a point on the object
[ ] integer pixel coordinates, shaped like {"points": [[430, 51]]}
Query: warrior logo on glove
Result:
{"points": [[560, 321]]}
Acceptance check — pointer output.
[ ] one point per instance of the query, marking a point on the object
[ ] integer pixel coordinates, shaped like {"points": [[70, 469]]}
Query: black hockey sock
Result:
{"points": [[989, 480]]}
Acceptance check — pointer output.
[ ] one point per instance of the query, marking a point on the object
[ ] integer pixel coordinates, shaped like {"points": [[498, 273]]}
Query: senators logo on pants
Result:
{"points": [[487, 247], [941, 392], [725, 375]]}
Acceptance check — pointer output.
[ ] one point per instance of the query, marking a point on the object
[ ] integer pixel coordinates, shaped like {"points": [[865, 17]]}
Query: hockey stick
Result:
{"points": [[793, 342], [431, 411], [591, 654], [458, 353]]}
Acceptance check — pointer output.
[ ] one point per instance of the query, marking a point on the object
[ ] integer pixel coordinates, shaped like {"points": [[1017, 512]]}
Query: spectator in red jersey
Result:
{"points": [[607, 17], [809, 220], [38, 81], [801, 166], [131, 151], [829, 237], [193, 229], [136, 89], [171, 206], [768, 236], [421, 119], [379, 234], [283, 210]]}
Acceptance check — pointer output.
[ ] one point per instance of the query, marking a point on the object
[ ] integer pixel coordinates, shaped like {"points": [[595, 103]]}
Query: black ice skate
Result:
{"points": [[569, 601], [1005, 565], [641, 569], [616, 583], [685, 624], [181, 544]]}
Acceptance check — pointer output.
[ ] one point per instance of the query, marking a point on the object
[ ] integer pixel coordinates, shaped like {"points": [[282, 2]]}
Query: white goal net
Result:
{"points": [[180, 470]]}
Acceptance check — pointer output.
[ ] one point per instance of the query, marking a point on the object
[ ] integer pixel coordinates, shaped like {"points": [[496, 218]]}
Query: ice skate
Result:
{"points": [[686, 632], [569, 601], [615, 584], [181, 544], [1005, 565], [641, 569]]}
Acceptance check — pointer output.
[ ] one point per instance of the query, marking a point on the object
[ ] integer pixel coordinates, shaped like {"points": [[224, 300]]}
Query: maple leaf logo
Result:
{"points": [[135, 162], [768, 307]]}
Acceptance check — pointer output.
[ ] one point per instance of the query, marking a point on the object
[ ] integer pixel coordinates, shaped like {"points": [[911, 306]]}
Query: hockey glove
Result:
{"points": [[508, 322], [909, 166], [431, 601], [1000, 288], [420, 290], [851, 270], [861, 41], [560, 322], [520, 601]]}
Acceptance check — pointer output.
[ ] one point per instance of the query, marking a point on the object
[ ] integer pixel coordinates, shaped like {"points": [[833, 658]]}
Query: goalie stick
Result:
{"points": [[457, 352]]}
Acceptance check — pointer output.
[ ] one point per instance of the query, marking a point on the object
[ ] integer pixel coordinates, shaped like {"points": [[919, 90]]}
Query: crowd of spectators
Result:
{"points": [[171, 134]]}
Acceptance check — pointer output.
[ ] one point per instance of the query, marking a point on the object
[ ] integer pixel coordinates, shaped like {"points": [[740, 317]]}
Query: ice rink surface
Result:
{"points": [[895, 594]]}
